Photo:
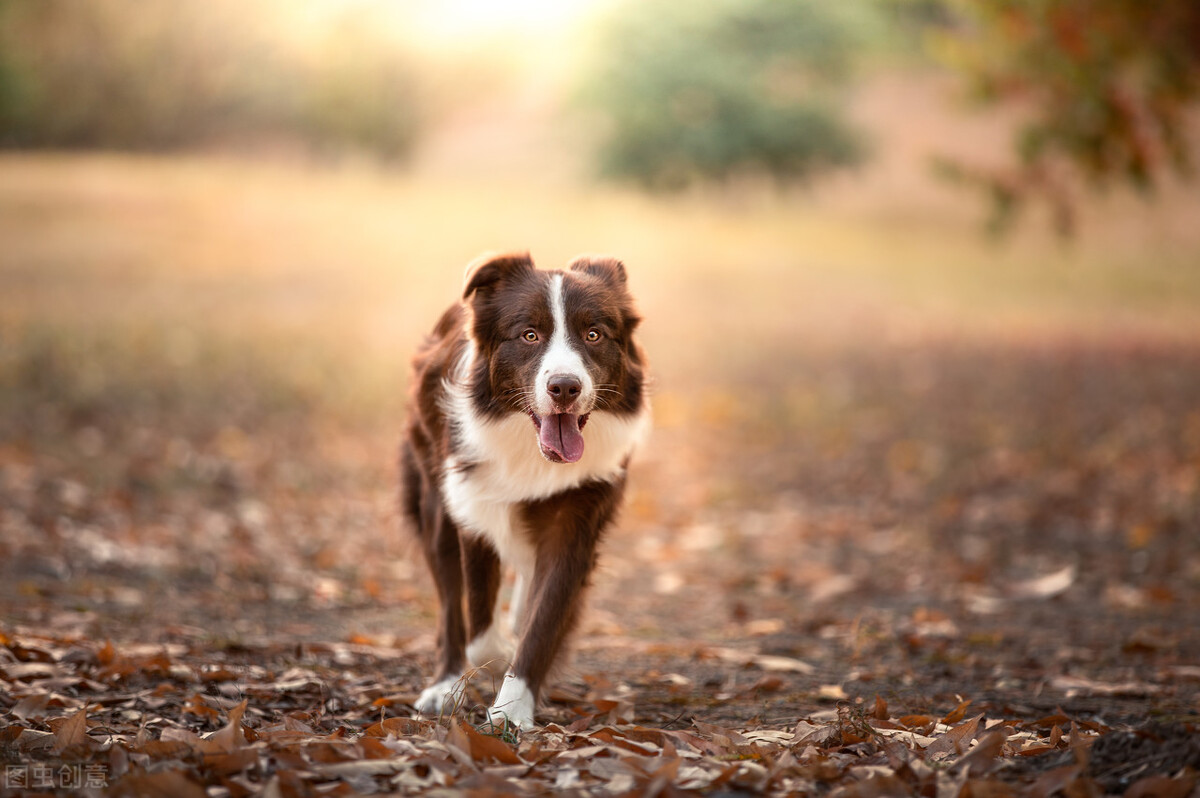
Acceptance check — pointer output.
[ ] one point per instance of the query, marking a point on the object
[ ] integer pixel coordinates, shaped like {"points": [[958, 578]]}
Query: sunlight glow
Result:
{"points": [[450, 19], [451, 23]]}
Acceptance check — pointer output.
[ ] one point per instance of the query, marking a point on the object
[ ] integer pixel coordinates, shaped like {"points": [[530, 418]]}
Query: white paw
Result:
{"points": [[491, 651], [514, 704], [443, 695]]}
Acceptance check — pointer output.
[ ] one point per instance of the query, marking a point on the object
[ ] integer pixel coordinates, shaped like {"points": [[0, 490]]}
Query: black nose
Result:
{"points": [[564, 388]]}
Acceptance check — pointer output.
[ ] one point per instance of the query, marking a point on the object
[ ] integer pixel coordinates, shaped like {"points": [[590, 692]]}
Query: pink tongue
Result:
{"points": [[560, 434]]}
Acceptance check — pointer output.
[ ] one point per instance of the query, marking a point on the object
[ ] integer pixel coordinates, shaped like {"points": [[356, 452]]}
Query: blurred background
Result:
{"points": [[921, 282]]}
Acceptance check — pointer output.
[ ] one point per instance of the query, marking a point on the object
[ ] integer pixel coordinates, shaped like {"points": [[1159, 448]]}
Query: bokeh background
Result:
{"points": [[921, 283]]}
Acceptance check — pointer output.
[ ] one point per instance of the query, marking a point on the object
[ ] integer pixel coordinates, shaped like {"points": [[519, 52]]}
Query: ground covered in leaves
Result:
{"points": [[172, 719], [881, 607]]}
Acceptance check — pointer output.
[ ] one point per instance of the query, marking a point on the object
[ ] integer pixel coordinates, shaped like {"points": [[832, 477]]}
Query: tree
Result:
{"points": [[707, 91], [128, 75], [1106, 85]]}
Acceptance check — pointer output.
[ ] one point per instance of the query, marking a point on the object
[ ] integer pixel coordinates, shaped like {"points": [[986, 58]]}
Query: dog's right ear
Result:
{"points": [[486, 271]]}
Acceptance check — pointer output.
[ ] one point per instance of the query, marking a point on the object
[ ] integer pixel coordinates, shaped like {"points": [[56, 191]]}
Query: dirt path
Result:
{"points": [[807, 594]]}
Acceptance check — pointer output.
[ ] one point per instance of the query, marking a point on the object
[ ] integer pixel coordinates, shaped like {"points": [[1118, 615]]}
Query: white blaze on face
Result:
{"points": [[561, 357]]}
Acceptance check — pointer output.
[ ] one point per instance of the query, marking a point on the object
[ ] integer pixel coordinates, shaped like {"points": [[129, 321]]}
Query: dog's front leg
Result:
{"points": [[490, 646], [564, 561]]}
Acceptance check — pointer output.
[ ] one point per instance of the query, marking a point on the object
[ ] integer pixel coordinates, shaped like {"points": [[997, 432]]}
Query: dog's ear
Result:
{"points": [[486, 271], [602, 266]]}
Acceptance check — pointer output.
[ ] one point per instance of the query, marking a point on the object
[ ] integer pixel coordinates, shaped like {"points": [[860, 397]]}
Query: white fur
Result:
{"points": [[561, 358], [508, 467], [493, 649], [514, 704], [439, 696], [516, 605]]}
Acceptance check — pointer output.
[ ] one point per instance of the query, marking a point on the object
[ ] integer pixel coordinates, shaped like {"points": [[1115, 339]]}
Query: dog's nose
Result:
{"points": [[564, 388]]}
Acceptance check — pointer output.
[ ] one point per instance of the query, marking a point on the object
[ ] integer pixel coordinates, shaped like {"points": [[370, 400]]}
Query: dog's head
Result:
{"points": [[555, 345]]}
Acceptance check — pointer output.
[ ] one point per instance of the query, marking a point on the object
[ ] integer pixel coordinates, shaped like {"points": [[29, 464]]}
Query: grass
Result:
{"points": [[185, 280], [220, 293], [209, 296]]}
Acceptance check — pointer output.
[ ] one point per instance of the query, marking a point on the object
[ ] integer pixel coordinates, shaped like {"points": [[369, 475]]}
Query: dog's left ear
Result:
{"points": [[602, 266], [487, 270]]}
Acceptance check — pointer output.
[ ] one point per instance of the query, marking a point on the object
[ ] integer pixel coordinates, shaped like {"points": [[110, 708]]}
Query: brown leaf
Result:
{"points": [[231, 737], [233, 762], [32, 740], [185, 737], [819, 735], [373, 748], [218, 674], [663, 777], [30, 705], [956, 714], [881, 785], [72, 733], [1034, 750], [880, 712], [768, 684], [196, 705], [988, 788], [1051, 721], [1055, 736], [955, 741], [583, 752], [982, 757], [1160, 786], [165, 748], [1053, 781], [396, 727], [917, 723], [724, 739], [484, 747], [162, 784], [30, 671]]}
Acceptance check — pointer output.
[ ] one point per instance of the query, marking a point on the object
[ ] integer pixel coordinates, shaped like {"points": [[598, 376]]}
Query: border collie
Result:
{"points": [[528, 400]]}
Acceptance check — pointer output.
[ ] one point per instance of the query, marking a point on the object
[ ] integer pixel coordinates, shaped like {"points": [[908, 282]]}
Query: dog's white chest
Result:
{"points": [[498, 466]]}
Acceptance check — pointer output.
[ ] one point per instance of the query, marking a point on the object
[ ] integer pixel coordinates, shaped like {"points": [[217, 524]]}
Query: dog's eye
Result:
{"points": [[593, 335], [530, 336]]}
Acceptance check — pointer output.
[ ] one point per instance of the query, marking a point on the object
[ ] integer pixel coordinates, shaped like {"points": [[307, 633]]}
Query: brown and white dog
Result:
{"points": [[528, 400]]}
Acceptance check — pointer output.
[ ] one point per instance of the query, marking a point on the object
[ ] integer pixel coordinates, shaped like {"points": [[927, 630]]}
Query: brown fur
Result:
{"points": [[503, 299]]}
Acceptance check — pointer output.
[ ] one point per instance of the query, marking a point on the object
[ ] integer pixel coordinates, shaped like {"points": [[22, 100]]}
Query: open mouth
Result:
{"points": [[560, 436]]}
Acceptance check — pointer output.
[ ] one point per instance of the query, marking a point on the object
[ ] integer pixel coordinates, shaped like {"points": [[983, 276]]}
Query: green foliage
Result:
{"points": [[123, 74], [708, 91], [1106, 85]]}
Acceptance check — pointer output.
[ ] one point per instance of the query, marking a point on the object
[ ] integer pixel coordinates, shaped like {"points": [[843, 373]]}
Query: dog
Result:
{"points": [[528, 400]]}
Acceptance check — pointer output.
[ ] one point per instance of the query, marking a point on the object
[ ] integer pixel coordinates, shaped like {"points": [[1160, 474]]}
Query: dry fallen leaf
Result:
{"points": [[231, 736], [1046, 586], [481, 747], [72, 733], [1160, 786], [956, 714], [956, 741], [982, 758]]}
